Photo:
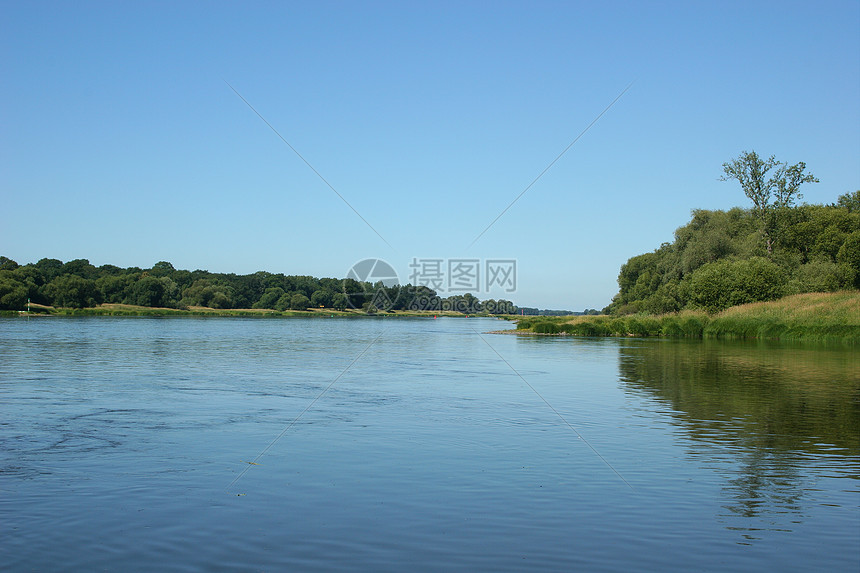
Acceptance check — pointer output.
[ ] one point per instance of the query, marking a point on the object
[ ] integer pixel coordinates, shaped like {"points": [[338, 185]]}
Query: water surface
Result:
{"points": [[391, 444]]}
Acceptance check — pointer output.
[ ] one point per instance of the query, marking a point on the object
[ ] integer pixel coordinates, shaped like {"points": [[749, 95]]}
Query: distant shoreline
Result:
{"points": [[823, 317], [199, 311]]}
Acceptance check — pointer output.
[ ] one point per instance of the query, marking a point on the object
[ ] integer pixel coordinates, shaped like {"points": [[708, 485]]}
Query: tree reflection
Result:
{"points": [[765, 415]]}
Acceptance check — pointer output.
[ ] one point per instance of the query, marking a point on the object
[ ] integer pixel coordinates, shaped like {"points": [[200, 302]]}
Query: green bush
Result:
{"points": [[719, 285], [820, 276], [617, 326], [546, 328], [586, 328], [849, 256], [524, 324], [692, 326], [670, 326], [643, 326]]}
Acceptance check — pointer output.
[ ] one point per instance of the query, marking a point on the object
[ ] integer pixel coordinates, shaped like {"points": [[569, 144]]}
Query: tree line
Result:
{"points": [[775, 248], [79, 284]]}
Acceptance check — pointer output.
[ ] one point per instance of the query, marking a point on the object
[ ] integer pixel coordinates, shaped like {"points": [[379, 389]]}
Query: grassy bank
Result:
{"points": [[810, 316]]}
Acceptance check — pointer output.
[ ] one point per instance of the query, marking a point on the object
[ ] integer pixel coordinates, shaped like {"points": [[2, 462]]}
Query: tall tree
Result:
{"points": [[299, 302], [73, 291], [788, 181], [751, 171]]}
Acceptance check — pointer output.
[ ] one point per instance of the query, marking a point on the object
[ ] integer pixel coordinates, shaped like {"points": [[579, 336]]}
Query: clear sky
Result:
{"points": [[120, 141]]}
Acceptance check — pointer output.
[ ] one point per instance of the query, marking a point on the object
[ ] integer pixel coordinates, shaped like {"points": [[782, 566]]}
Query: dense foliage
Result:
{"points": [[79, 284], [723, 258], [533, 311]]}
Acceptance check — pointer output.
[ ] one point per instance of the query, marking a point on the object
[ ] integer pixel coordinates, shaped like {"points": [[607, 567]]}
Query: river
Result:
{"points": [[392, 444]]}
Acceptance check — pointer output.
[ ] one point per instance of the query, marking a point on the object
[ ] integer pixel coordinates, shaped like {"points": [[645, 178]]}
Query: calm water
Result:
{"points": [[121, 441]]}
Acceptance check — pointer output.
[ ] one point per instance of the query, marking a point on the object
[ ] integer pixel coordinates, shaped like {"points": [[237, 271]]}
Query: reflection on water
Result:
{"points": [[772, 419], [119, 437]]}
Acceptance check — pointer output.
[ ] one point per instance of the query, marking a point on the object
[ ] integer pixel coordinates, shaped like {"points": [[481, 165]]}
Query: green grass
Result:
{"points": [[686, 324], [811, 316]]}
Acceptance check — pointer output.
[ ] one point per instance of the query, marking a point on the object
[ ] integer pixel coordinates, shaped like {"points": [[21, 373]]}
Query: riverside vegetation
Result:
{"points": [[79, 287], [720, 259], [810, 316], [717, 276], [726, 258]]}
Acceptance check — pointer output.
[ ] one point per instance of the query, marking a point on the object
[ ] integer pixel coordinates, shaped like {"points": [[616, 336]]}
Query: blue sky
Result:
{"points": [[121, 142]]}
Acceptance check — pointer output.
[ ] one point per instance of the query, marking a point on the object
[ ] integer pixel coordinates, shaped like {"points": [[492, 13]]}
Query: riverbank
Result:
{"points": [[134, 310], [809, 316]]}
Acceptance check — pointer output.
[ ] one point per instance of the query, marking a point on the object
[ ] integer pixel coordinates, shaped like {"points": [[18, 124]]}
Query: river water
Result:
{"points": [[393, 444]]}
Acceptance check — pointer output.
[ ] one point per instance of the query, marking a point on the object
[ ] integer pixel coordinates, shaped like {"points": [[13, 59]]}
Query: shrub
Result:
{"points": [[546, 328], [691, 325], [848, 256], [586, 328], [524, 324], [719, 285], [617, 326], [671, 327], [819, 276]]}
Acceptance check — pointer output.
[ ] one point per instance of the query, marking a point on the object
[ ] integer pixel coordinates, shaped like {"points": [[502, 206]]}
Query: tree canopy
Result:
{"points": [[771, 196], [722, 258], [78, 284], [781, 189]]}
